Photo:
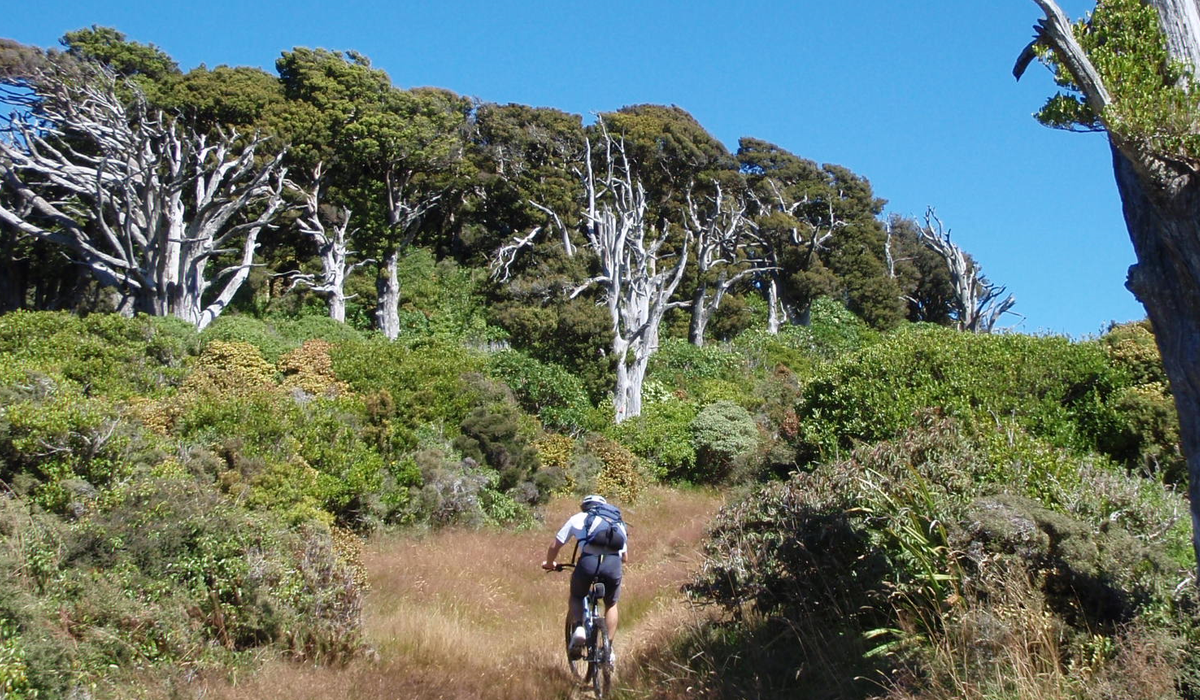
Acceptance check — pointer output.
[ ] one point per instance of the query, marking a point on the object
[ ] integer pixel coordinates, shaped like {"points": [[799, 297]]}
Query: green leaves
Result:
{"points": [[1153, 102]]}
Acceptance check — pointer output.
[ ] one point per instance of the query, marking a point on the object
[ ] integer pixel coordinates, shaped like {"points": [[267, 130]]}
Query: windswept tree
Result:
{"points": [[328, 228], [146, 204], [921, 274], [819, 237], [388, 152], [726, 252], [1131, 70], [977, 303], [634, 272]]}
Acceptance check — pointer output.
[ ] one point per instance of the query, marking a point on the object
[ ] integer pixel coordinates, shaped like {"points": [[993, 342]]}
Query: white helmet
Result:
{"points": [[592, 500]]}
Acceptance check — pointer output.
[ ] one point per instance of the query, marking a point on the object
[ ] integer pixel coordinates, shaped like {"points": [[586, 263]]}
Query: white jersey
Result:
{"points": [[574, 528]]}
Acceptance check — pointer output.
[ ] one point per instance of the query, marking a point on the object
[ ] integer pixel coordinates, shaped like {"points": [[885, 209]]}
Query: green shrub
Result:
{"points": [[164, 572], [662, 437], [678, 363], [440, 299], [491, 436], [292, 454], [1055, 388], [60, 446], [887, 543], [619, 474], [452, 489], [106, 354], [722, 433], [832, 333], [309, 368], [275, 336], [544, 389], [241, 328], [14, 675], [425, 384], [1132, 348], [350, 472]]}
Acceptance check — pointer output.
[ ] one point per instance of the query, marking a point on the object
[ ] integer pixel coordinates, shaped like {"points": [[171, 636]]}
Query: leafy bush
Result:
{"points": [[309, 368], [679, 363], [1055, 389], [275, 336], [60, 446], [440, 299], [1148, 437], [1132, 348], [621, 474], [832, 333], [491, 436], [662, 437], [544, 389], [722, 433], [896, 543], [425, 384], [107, 354], [452, 489], [162, 572]]}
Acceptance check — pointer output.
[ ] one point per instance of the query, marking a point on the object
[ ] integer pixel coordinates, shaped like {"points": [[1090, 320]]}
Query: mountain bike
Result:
{"points": [[591, 664]]}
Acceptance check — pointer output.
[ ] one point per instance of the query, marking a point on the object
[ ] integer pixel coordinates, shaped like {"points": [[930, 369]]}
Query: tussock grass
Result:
{"points": [[470, 614]]}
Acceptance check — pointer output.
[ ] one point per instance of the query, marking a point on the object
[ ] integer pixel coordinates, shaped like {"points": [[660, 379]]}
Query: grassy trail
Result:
{"points": [[468, 614]]}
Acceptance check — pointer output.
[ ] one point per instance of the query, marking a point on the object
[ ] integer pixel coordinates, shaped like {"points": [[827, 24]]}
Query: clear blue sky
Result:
{"points": [[916, 96]]}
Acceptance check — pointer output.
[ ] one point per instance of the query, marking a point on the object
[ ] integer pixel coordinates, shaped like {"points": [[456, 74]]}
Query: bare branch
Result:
{"points": [[141, 201]]}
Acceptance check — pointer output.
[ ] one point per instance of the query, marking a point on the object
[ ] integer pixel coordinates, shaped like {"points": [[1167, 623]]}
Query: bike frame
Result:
{"points": [[597, 644]]}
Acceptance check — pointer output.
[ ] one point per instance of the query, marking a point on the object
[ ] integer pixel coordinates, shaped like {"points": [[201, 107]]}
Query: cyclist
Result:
{"points": [[595, 563]]}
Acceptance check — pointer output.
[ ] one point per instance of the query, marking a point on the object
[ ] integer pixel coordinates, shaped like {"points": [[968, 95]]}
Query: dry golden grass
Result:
{"points": [[470, 614]]}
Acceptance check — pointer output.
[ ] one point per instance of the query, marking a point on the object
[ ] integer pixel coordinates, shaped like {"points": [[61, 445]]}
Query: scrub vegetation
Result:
{"points": [[335, 477]]}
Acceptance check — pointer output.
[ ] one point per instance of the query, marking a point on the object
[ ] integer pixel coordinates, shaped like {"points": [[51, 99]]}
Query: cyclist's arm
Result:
{"points": [[551, 555]]}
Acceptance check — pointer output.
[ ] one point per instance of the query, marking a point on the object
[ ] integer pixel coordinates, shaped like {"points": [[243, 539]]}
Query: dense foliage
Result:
{"points": [[173, 501], [947, 559]]}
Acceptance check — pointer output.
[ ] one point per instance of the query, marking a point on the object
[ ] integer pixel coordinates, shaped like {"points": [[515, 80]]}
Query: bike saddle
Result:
{"points": [[599, 589]]}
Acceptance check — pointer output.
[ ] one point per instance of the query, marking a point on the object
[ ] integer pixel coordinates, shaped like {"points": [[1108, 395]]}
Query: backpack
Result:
{"points": [[606, 534]]}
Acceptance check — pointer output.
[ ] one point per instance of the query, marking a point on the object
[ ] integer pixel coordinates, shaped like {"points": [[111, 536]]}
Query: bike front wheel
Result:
{"points": [[575, 658], [599, 669]]}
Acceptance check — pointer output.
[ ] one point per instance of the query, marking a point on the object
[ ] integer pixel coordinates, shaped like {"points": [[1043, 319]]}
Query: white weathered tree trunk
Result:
{"points": [[333, 249], [776, 314], [407, 206], [387, 287], [628, 250], [720, 248], [1160, 194], [144, 204]]}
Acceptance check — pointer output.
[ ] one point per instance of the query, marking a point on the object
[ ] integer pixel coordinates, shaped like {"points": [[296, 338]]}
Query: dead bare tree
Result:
{"points": [[333, 247], [144, 203], [628, 251], [977, 302], [721, 231]]}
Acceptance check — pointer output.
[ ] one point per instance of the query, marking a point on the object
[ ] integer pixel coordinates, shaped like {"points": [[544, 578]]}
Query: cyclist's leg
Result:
{"points": [[574, 611], [581, 579], [610, 574]]}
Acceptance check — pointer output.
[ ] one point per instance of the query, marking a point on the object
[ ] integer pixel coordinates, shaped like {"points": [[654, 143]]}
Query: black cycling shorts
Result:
{"points": [[606, 569]]}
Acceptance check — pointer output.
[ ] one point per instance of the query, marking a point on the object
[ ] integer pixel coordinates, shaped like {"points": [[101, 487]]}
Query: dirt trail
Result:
{"points": [[464, 614]]}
